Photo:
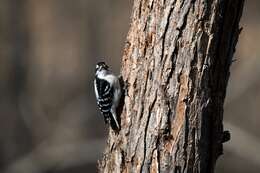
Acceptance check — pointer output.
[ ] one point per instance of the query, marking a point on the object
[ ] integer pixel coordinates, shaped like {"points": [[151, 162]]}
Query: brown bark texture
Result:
{"points": [[175, 69]]}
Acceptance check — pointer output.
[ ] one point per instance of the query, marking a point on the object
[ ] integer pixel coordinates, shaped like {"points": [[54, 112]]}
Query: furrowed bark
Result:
{"points": [[175, 69]]}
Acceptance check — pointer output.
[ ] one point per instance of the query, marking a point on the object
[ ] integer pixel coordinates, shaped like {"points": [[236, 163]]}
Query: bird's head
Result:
{"points": [[101, 66]]}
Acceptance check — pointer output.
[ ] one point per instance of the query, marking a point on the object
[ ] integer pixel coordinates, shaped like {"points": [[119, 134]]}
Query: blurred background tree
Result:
{"points": [[48, 116]]}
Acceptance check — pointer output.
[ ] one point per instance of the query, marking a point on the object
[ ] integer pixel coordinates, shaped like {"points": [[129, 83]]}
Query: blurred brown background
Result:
{"points": [[49, 122]]}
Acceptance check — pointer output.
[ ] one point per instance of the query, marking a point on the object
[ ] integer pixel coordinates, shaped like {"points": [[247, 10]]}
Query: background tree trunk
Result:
{"points": [[176, 67]]}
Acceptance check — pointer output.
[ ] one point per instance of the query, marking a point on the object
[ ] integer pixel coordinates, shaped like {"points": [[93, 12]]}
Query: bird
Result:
{"points": [[108, 93]]}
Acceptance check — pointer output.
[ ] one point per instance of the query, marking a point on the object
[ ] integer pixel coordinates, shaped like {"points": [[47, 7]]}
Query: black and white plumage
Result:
{"points": [[108, 93]]}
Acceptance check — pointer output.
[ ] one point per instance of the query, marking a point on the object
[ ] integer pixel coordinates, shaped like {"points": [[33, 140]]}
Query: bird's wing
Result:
{"points": [[104, 95]]}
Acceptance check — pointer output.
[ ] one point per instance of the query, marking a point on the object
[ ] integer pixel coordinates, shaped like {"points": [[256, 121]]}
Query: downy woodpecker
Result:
{"points": [[108, 93]]}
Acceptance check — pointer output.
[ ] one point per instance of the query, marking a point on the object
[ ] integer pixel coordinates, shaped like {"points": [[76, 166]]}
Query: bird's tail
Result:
{"points": [[113, 121]]}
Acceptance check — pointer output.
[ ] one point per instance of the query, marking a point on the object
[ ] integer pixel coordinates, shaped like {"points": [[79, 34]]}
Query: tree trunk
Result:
{"points": [[175, 70]]}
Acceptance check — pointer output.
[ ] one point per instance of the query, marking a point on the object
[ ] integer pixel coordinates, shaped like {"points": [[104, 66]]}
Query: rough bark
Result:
{"points": [[175, 68]]}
